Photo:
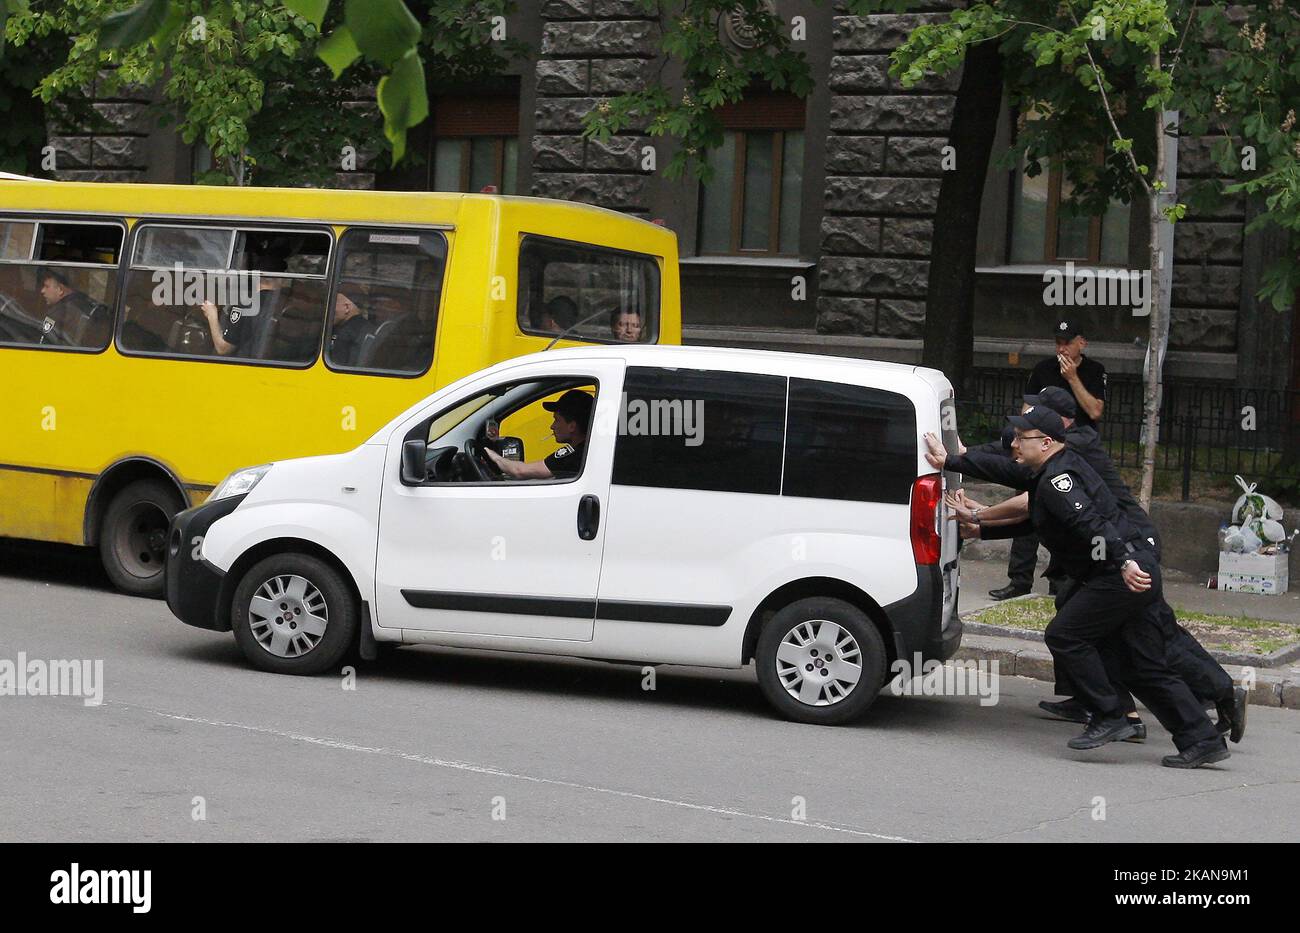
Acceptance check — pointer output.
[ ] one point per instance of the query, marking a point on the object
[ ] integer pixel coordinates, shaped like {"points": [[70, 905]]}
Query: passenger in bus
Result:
{"points": [[235, 327], [625, 324], [557, 315], [351, 327], [70, 312]]}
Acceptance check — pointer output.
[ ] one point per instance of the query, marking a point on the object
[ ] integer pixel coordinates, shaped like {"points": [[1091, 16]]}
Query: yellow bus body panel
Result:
{"points": [[69, 416]]}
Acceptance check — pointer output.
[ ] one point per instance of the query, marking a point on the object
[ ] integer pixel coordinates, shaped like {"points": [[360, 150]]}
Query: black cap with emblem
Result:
{"points": [[1057, 399], [1041, 418], [573, 405], [1067, 329]]}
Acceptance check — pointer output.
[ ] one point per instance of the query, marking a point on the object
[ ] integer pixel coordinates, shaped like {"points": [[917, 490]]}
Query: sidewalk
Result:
{"points": [[1279, 686]]}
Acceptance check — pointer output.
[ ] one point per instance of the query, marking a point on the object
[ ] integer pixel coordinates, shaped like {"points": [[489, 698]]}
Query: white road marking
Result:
{"points": [[498, 772]]}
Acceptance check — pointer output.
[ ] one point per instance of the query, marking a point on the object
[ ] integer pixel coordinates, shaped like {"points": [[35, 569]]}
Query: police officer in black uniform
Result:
{"points": [[571, 426], [1079, 522], [1209, 682]]}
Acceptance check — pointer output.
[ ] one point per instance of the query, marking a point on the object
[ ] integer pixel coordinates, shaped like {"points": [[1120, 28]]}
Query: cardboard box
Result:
{"points": [[1253, 573]]}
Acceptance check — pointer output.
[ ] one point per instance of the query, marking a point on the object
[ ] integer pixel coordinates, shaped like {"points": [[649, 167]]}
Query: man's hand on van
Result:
{"points": [[961, 506], [937, 453], [968, 530]]}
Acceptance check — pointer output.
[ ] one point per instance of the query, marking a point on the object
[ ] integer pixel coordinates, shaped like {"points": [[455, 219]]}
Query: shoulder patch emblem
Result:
{"points": [[1062, 483], [563, 452]]}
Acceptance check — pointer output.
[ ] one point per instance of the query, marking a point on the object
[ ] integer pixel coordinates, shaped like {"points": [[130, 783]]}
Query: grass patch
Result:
{"points": [[1238, 634]]}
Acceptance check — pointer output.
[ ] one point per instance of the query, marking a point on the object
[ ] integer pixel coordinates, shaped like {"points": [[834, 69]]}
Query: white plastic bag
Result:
{"points": [[1253, 504]]}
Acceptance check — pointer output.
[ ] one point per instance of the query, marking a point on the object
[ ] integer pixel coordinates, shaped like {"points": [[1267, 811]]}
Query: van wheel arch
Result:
{"points": [[796, 590], [274, 546]]}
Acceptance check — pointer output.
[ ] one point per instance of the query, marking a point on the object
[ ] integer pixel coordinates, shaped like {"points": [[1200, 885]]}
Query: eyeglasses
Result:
{"points": [[1029, 437]]}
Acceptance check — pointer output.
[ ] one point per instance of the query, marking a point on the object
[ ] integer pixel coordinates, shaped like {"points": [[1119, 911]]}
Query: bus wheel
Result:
{"points": [[820, 660], [294, 614], [133, 538]]}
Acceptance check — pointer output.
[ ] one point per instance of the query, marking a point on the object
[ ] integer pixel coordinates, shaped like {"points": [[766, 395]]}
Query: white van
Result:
{"points": [[728, 506]]}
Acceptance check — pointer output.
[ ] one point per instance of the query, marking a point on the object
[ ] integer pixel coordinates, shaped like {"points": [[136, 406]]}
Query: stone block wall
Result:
{"points": [[591, 49], [883, 169], [117, 150]]}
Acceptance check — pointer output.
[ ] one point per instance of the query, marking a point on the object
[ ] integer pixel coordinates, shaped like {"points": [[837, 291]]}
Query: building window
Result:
{"points": [[476, 144], [752, 202], [1043, 229]]}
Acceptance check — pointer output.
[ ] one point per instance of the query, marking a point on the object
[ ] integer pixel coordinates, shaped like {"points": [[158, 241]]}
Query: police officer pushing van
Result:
{"points": [[1118, 578]]}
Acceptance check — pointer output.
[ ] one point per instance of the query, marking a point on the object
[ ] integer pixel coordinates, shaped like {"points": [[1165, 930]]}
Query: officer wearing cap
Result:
{"points": [[1089, 538], [1185, 655], [1084, 380], [571, 426]]}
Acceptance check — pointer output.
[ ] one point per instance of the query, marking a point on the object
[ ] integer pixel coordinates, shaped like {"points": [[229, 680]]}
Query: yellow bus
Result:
{"points": [[154, 338]]}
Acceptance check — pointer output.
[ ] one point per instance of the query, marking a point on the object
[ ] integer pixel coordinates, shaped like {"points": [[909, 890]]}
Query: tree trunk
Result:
{"points": [[950, 296], [1159, 325]]}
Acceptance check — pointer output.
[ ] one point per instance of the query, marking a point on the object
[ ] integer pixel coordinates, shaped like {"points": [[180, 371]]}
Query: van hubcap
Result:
{"points": [[819, 663], [288, 616]]}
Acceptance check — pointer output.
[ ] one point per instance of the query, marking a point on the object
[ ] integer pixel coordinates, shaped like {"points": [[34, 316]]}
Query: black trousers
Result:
{"points": [[1186, 657], [1103, 608], [1023, 560]]}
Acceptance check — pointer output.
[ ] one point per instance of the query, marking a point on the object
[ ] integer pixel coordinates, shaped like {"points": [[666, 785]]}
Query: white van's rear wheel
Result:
{"points": [[820, 660], [294, 614]]}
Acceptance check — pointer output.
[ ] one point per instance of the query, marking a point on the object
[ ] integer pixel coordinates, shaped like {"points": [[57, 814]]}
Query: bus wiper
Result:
{"points": [[564, 333]]}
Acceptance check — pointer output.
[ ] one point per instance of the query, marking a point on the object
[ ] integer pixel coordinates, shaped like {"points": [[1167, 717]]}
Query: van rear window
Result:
{"points": [[849, 442], [587, 292]]}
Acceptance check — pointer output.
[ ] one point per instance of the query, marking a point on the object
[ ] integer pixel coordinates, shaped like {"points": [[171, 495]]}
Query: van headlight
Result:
{"points": [[240, 482]]}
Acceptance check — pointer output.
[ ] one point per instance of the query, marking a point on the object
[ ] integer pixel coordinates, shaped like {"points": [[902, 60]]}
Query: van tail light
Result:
{"points": [[926, 540]]}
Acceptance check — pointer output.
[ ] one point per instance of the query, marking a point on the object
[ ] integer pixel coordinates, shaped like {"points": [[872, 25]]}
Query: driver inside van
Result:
{"points": [[571, 425]]}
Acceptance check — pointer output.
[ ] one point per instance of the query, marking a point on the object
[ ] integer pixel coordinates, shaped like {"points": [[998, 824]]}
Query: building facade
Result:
{"points": [[816, 229]]}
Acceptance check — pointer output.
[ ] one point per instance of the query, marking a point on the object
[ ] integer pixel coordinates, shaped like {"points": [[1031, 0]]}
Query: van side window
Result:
{"points": [[58, 283], [385, 314], [700, 429], [849, 442], [227, 293], [594, 293]]}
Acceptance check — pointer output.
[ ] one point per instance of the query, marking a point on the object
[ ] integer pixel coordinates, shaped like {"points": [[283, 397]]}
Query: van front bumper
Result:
{"points": [[916, 620], [194, 585]]}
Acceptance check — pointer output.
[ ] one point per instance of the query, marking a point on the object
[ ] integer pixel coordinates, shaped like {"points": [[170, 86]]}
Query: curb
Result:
{"points": [[1277, 689]]}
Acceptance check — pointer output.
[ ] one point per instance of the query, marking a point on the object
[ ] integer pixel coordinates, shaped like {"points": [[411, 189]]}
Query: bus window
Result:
{"points": [[58, 280], [244, 294], [385, 313], [591, 292]]}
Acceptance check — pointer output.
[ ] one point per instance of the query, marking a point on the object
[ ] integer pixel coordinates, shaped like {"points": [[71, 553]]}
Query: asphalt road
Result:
{"points": [[433, 744]]}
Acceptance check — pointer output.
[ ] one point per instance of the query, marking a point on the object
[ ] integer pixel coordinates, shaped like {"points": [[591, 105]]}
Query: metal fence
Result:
{"points": [[1207, 430]]}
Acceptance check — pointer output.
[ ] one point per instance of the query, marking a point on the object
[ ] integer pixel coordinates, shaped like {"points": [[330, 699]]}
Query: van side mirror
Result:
{"points": [[511, 448], [414, 470]]}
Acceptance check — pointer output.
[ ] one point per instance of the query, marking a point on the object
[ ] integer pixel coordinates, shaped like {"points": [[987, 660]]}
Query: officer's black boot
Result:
{"points": [[1232, 713], [1202, 753], [1008, 591], [1100, 731], [1070, 710]]}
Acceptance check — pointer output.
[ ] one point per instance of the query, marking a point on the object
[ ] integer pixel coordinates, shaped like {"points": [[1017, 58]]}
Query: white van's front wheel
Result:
{"points": [[294, 614], [820, 660]]}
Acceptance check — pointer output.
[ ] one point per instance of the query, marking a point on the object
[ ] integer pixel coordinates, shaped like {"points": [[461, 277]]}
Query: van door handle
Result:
{"points": [[588, 517]]}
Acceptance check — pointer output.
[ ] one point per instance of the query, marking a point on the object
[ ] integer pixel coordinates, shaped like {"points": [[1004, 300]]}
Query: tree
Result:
{"points": [[1116, 70]]}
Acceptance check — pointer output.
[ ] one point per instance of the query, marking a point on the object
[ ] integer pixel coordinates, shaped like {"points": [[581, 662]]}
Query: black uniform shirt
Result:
{"points": [[1077, 519], [1091, 373], [566, 462]]}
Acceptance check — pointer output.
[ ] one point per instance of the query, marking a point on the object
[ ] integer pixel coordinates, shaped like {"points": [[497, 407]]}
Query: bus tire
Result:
{"points": [[294, 614], [821, 661], [133, 536]]}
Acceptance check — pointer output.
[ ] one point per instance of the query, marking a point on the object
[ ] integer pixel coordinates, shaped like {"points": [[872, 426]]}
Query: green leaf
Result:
{"points": [[402, 100], [311, 10], [384, 30], [131, 27], [338, 50]]}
